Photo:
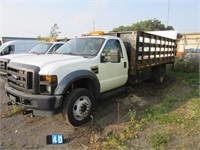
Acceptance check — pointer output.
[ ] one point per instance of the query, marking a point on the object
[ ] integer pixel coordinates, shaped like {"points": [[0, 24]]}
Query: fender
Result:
{"points": [[74, 76]]}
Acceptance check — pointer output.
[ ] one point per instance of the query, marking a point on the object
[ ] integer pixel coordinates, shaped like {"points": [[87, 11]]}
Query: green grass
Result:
{"points": [[189, 78], [159, 140], [154, 112], [177, 115], [167, 116], [186, 114], [179, 122]]}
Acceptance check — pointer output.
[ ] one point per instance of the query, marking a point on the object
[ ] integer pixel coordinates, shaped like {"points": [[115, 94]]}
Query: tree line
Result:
{"points": [[146, 25]]}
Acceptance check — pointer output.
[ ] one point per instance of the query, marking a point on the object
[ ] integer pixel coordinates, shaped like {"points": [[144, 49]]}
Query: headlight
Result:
{"points": [[48, 84], [48, 88]]}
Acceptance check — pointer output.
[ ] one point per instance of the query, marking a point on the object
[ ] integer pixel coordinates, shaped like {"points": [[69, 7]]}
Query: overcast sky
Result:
{"points": [[30, 18]]}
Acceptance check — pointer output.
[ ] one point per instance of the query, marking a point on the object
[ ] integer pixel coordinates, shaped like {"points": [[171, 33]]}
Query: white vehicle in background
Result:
{"points": [[18, 46], [46, 48], [41, 48]]}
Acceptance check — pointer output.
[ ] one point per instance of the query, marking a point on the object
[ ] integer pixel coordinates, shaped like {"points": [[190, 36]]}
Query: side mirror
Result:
{"points": [[112, 56]]}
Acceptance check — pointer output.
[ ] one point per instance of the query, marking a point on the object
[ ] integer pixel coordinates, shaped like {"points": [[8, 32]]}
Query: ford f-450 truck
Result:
{"points": [[84, 68]]}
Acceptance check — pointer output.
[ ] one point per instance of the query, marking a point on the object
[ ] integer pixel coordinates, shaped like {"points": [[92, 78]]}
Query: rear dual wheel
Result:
{"points": [[78, 106], [159, 74]]}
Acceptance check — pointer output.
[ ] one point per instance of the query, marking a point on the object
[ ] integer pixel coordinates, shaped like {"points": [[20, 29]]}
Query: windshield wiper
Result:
{"points": [[70, 53], [33, 52], [85, 55], [54, 52]]}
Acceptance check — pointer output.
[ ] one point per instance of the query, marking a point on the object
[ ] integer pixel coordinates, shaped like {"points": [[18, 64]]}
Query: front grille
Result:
{"points": [[20, 79], [3, 65], [23, 77]]}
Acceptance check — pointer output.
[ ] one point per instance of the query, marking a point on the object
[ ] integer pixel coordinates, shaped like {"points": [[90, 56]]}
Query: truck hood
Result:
{"points": [[11, 56], [43, 60]]}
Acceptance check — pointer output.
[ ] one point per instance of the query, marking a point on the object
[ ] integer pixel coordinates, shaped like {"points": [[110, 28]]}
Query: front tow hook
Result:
{"points": [[25, 112], [10, 103]]}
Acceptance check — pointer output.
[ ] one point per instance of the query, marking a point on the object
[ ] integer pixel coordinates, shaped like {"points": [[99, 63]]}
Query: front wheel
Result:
{"points": [[78, 106]]}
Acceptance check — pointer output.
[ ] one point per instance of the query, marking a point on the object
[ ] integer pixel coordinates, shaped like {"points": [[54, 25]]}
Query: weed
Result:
{"points": [[186, 71], [138, 127], [150, 112], [159, 140], [121, 140], [132, 115], [115, 142], [191, 65], [17, 109]]}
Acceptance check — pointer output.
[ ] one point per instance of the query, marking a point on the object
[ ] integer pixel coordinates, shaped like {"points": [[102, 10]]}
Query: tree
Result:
{"points": [[147, 25], [54, 32], [52, 35], [46, 39]]}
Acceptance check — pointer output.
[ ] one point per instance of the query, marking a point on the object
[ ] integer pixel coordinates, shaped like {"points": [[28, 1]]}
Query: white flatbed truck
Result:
{"points": [[84, 68]]}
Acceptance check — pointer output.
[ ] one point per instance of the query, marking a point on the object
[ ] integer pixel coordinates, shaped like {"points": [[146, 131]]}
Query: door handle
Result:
{"points": [[125, 65]]}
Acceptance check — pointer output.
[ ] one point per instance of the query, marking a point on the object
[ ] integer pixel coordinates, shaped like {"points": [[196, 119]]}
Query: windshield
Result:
{"points": [[82, 46], [41, 48]]}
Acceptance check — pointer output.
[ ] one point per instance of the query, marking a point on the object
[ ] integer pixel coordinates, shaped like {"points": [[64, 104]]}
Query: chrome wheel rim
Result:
{"points": [[81, 108]]}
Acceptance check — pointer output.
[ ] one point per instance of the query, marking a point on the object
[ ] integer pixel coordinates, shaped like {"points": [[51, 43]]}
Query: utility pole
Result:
{"points": [[168, 12], [93, 25]]}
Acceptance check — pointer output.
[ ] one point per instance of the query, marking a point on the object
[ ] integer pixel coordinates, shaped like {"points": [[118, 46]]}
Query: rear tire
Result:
{"points": [[159, 74], [78, 106]]}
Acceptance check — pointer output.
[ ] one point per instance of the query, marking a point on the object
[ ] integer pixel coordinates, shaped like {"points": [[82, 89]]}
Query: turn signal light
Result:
{"points": [[49, 78]]}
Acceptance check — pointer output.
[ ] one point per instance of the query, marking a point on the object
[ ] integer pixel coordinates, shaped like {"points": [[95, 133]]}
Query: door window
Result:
{"points": [[113, 45], [9, 49]]}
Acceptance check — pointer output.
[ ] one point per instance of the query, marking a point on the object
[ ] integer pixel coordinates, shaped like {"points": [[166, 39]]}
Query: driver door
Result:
{"points": [[113, 74]]}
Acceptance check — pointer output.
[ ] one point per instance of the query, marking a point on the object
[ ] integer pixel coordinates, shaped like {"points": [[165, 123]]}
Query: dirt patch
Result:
{"points": [[110, 115]]}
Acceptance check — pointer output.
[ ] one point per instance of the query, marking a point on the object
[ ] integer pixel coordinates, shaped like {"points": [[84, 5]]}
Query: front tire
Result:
{"points": [[78, 106]]}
